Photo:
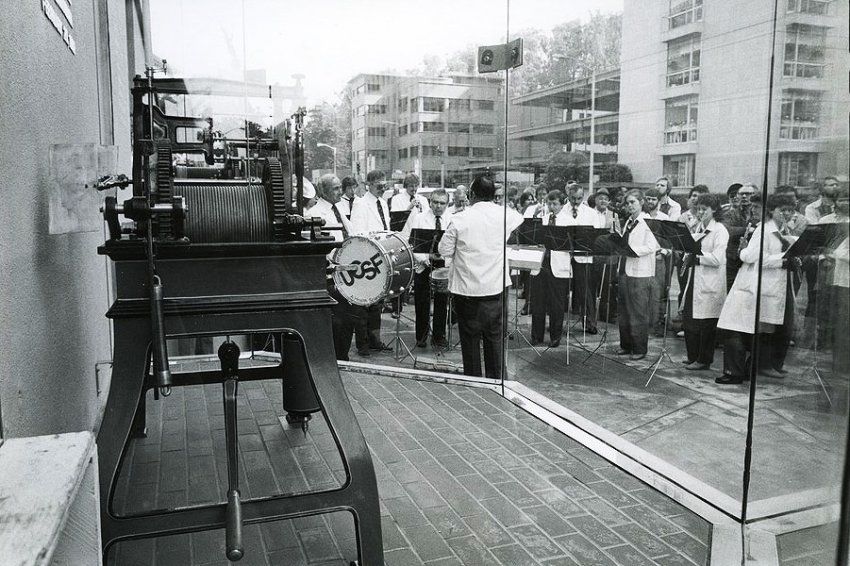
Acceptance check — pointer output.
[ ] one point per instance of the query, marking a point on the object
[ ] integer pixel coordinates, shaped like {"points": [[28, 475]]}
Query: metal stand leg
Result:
{"points": [[516, 331], [228, 353], [664, 353], [397, 344], [814, 367]]}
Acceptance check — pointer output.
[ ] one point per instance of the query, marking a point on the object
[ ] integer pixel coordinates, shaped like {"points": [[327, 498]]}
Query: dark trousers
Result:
{"points": [[480, 320], [367, 330], [839, 298], [637, 299], [547, 298], [738, 352], [422, 303], [584, 294], [345, 317], [700, 333], [663, 277]]}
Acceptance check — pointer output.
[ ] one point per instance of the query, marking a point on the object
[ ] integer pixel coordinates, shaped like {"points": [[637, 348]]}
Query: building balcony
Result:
{"points": [[803, 70], [563, 132], [682, 24], [810, 12], [675, 135], [576, 94]]}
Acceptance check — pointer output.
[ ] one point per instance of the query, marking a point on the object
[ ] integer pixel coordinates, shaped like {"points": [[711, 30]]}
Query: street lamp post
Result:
{"points": [[332, 148]]}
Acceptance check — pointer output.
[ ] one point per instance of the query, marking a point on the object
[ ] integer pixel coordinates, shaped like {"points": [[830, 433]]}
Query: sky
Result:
{"points": [[331, 41]]}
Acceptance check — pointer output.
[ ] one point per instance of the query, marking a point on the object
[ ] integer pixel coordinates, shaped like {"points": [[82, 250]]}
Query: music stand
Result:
{"points": [[674, 236], [398, 219], [523, 258], [814, 241]]}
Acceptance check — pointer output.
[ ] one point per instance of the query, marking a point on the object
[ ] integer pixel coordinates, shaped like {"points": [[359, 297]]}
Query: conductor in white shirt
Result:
{"points": [[370, 214], [475, 244], [436, 217]]}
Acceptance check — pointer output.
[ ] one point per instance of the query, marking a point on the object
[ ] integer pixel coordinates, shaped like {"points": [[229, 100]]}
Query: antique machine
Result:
{"points": [[215, 244]]}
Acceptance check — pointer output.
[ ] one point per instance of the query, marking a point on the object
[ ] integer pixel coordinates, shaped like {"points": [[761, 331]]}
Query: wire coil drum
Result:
{"points": [[225, 213]]}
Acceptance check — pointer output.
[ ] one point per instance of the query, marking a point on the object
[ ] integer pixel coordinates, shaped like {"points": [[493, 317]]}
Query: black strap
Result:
{"points": [[339, 219], [381, 213]]}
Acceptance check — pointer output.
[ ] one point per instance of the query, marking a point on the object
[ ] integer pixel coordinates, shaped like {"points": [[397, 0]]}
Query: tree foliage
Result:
{"points": [[616, 173], [563, 167], [329, 124]]}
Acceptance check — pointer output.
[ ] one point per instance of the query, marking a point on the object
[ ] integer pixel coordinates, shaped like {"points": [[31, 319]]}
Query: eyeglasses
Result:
{"points": [[381, 185]]}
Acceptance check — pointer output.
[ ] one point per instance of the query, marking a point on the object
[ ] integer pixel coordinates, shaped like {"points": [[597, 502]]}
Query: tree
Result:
{"points": [[328, 124], [563, 167], [616, 173]]}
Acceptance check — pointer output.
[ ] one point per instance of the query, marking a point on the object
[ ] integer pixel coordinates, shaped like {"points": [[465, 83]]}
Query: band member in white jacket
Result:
{"points": [[776, 309], [637, 291], [705, 283], [549, 287]]}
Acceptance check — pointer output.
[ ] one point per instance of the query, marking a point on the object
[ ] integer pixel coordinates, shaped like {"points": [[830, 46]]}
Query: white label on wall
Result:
{"points": [[59, 23], [73, 202]]}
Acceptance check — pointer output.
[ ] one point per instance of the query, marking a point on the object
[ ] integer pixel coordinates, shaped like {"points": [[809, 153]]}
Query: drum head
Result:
{"points": [[369, 283]]}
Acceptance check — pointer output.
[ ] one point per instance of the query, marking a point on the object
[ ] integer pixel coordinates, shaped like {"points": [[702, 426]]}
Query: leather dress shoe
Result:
{"points": [[636, 357], [592, 331], [380, 347], [554, 343], [696, 366], [364, 352], [440, 342], [535, 342], [422, 343], [524, 310], [729, 380], [687, 362], [622, 352]]}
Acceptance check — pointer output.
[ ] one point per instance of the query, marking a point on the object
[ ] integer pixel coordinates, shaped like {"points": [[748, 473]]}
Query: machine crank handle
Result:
{"points": [[161, 371], [111, 181], [233, 527]]}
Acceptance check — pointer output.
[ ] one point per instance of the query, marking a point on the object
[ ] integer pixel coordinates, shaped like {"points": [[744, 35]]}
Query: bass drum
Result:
{"points": [[384, 268]]}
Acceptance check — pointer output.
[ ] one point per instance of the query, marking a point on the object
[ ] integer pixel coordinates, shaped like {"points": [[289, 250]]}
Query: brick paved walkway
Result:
{"points": [[466, 478]]}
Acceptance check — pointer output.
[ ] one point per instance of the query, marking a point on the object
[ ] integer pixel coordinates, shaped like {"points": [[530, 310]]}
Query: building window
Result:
{"points": [[358, 133], [402, 130], [373, 87], [402, 153], [458, 128], [484, 104], [680, 119], [431, 151], [805, 47], [433, 127], [431, 177], [797, 169], [800, 115], [379, 131], [819, 7], [683, 61], [459, 104], [402, 104], [680, 169], [414, 127], [414, 104], [430, 104], [414, 151], [482, 152], [458, 151], [684, 12], [361, 110], [482, 128], [377, 109]]}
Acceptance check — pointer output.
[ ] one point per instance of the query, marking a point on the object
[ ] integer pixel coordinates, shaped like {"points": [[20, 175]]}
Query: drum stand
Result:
{"points": [[397, 344], [516, 330], [664, 353]]}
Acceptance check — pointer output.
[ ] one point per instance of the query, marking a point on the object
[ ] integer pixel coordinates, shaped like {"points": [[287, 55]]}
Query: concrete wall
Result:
{"points": [[733, 93], [53, 292], [642, 66]]}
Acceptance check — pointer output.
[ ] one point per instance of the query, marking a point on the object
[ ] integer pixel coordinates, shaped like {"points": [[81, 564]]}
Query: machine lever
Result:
{"points": [[228, 353], [161, 370]]}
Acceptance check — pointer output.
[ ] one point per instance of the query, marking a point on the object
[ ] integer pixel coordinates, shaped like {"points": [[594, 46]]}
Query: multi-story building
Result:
{"points": [[558, 119], [442, 128], [697, 91]]}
